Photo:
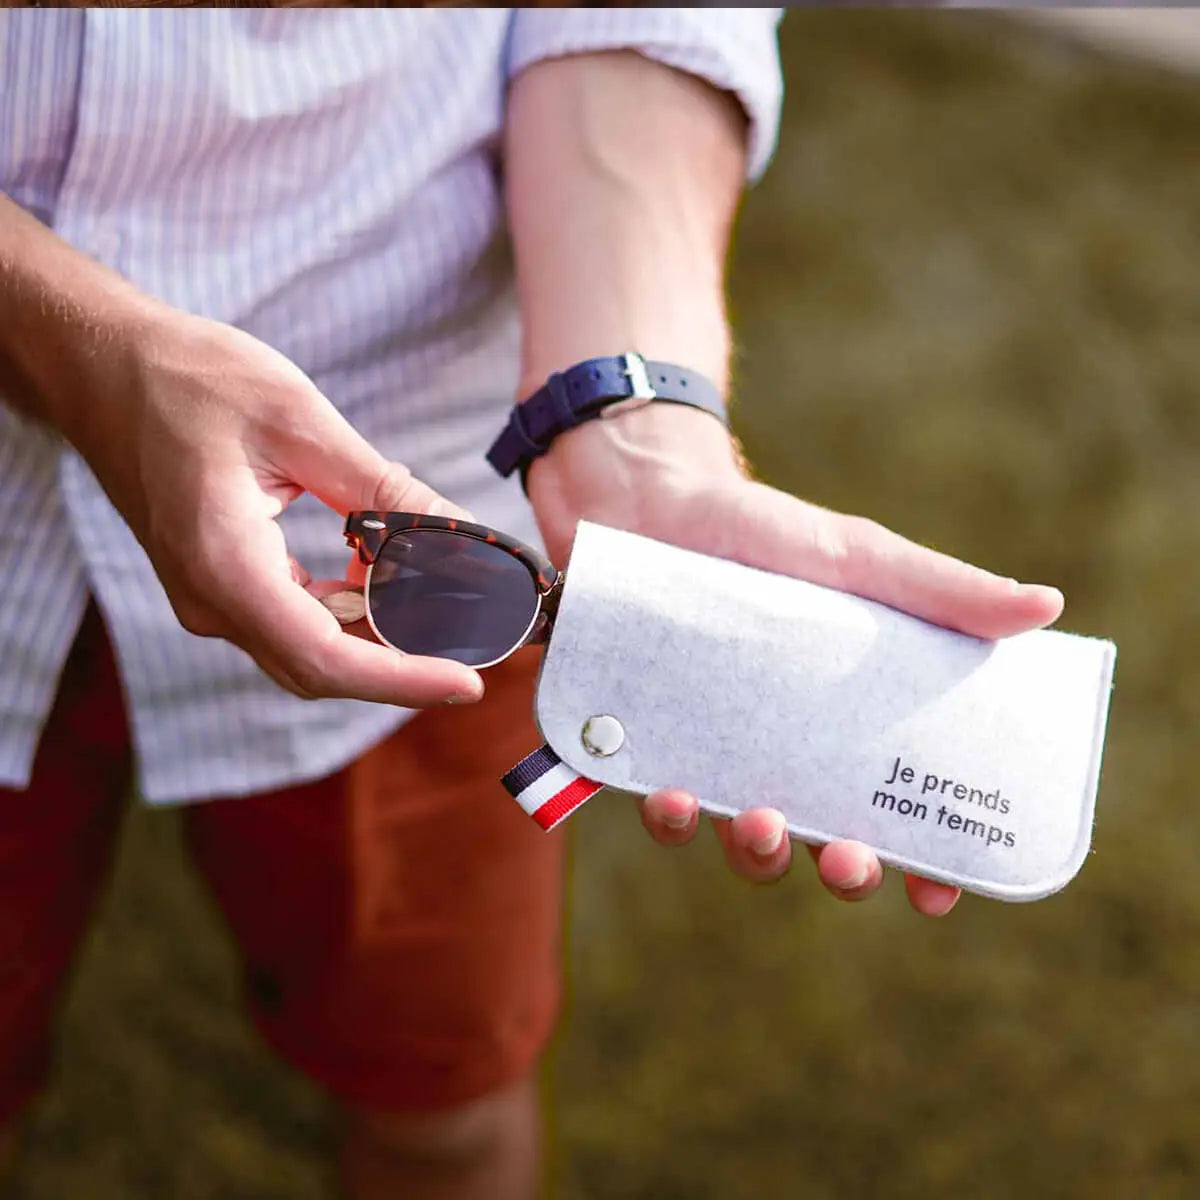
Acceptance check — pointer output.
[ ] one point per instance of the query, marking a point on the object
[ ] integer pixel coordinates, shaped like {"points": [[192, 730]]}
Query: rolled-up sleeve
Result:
{"points": [[735, 49]]}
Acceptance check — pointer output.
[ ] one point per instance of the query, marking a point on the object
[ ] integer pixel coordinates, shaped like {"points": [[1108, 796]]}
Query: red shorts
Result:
{"points": [[398, 922]]}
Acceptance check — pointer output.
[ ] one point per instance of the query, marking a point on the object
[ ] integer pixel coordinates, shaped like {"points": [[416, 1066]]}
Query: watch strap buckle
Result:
{"points": [[642, 390], [639, 377]]}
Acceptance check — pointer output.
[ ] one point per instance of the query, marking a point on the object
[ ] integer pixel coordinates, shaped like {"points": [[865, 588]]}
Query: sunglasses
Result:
{"points": [[447, 588]]}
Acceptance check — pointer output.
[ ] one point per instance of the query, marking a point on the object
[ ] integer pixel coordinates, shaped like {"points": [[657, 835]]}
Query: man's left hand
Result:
{"points": [[672, 473]]}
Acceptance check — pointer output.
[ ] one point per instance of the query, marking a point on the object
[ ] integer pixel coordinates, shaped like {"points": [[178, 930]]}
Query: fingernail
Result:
{"points": [[940, 910], [674, 819], [854, 880], [769, 842], [467, 695], [1046, 589]]}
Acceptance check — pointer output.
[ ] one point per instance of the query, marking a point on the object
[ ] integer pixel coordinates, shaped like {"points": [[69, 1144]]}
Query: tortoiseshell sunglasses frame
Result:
{"points": [[367, 532]]}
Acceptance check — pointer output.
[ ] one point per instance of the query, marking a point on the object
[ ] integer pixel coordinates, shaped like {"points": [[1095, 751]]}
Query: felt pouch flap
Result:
{"points": [[973, 762]]}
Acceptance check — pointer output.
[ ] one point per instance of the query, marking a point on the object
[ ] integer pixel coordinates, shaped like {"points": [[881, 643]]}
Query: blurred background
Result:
{"points": [[967, 298]]}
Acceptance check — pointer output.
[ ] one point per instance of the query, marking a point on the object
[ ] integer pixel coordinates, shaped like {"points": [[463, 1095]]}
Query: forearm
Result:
{"points": [[623, 179], [63, 319]]}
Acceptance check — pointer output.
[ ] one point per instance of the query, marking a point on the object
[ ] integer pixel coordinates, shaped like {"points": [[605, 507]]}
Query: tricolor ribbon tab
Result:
{"points": [[546, 788]]}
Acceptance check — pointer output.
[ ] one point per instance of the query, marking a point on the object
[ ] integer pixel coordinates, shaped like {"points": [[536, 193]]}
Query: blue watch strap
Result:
{"points": [[571, 397]]}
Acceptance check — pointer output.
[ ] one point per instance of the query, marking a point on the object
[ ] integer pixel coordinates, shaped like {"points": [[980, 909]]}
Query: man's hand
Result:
{"points": [[220, 435], [201, 436], [671, 473]]}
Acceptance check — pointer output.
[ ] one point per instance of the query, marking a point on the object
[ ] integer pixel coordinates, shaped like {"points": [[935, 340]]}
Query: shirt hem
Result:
{"points": [[234, 781]]}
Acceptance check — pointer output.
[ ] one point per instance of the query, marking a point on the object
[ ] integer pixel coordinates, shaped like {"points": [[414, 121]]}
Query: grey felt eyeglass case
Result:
{"points": [[968, 761]]}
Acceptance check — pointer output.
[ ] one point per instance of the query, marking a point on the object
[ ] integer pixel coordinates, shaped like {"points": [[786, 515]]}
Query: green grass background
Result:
{"points": [[967, 297]]}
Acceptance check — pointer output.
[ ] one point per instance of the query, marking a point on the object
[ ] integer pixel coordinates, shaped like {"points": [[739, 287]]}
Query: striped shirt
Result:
{"points": [[327, 181]]}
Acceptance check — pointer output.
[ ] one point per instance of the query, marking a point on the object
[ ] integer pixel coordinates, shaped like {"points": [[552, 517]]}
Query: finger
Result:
{"points": [[328, 662], [848, 870], [780, 533], [300, 574], [671, 817], [852, 875], [931, 898], [756, 844], [293, 636], [330, 458]]}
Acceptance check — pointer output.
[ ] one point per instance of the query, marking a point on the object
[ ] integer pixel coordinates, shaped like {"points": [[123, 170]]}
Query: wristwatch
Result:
{"points": [[599, 387]]}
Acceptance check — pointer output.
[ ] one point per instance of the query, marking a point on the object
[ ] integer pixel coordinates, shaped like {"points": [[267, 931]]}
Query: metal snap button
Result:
{"points": [[602, 735]]}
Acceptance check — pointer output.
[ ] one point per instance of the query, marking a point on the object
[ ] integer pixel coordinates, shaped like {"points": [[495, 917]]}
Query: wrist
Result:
{"points": [[639, 471], [641, 449], [599, 388], [88, 370], [67, 325]]}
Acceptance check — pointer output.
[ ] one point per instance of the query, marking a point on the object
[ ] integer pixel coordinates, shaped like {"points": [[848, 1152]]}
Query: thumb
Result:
{"points": [[343, 470], [397, 489], [781, 533]]}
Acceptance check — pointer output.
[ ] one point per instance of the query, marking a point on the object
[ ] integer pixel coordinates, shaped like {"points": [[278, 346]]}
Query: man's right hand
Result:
{"points": [[201, 435]]}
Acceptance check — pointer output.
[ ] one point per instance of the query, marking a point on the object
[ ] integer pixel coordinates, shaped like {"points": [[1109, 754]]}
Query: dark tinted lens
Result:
{"points": [[450, 596]]}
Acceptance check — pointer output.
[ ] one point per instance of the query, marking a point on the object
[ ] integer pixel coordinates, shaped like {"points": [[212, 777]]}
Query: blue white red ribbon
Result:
{"points": [[546, 788]]}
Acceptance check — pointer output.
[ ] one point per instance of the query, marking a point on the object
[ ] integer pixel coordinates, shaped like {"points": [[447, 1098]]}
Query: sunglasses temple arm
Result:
{"points": [[539, 635]]}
